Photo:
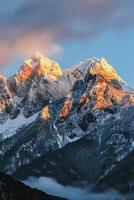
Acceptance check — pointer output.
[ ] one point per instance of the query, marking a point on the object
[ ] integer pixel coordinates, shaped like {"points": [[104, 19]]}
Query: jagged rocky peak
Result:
{"points": [[91, 82], [40, 66], [105, 70], [46, 67], [104, 84], [104, 88], [25, 72], [37, 81]]}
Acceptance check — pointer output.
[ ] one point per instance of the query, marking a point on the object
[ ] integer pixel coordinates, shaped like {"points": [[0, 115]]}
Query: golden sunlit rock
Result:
{"points": [[84, 101], [67, 105], [25, 72], [45, 113], [104, 87], [83, 98], [65, 109], [41, 66], [105, 70], [46, 67], [103, 90]]}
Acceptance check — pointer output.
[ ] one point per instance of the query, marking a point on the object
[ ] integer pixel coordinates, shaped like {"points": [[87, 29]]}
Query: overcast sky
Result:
{"points": [[67, 31]]}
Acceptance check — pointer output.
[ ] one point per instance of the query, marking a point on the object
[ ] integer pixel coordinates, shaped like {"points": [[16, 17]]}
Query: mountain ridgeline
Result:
{"points": [[74, 124]]}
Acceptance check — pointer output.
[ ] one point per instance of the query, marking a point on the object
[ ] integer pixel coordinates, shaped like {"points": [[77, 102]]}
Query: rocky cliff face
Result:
{"points": [[38, 81], [85, 113]]}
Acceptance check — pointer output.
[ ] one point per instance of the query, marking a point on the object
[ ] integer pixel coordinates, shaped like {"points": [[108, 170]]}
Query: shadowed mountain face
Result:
{"points": [[74, 125], [14, 190]]}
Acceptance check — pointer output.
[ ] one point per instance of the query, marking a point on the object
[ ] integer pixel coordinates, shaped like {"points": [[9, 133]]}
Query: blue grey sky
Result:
{"points": [[67, 31]]}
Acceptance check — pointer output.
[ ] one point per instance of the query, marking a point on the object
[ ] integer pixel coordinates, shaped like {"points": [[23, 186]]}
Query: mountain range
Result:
{"points": [[75, 125]]}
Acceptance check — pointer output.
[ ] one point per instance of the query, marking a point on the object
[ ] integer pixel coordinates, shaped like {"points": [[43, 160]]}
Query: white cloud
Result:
{"points": [[50, 186]]}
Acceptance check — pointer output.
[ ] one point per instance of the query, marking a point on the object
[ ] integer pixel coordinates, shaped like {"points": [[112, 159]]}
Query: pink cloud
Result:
{"points": [[24, 44], [33, 25]]}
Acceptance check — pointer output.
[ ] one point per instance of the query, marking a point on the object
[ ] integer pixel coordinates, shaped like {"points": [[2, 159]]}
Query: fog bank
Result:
{"points": [[50, 186]]}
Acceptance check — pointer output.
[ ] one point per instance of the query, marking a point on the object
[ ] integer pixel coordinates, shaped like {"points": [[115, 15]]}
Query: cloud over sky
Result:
{"points": [[30, 25]]}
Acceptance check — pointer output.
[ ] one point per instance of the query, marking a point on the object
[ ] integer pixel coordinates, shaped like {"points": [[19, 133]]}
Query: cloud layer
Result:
{"points": [[41, 25], [50, 186]]}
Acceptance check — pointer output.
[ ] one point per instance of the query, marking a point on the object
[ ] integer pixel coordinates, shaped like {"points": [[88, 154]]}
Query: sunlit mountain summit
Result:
{"points": [[84, 113]]}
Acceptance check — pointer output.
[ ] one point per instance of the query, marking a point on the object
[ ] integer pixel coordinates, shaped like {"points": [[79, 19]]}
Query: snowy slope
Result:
{"points": [[11, 126]]}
